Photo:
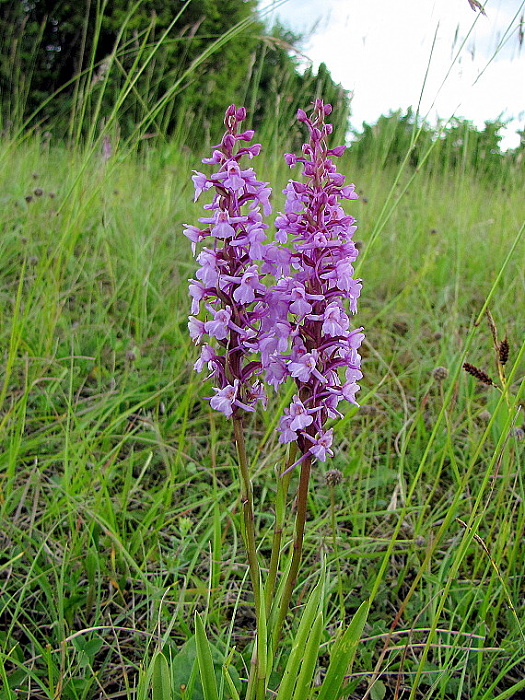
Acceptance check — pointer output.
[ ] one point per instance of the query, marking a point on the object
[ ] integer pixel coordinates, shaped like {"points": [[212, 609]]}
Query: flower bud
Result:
{"points": [[301, 116]]}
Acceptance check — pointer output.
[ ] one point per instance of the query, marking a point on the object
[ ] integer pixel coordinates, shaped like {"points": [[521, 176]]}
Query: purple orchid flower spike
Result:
{"points": [[276, 311], [312, 300], [228, 296], [297, 326]]}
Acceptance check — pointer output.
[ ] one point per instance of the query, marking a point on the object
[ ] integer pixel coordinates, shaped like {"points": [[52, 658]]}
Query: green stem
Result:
{"points": [[247, 510], [255, 683], [300, 519], [283, 483]]}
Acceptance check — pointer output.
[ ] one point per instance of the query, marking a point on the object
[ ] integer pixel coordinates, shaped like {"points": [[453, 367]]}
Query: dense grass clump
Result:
{"points": [[118, 487]]}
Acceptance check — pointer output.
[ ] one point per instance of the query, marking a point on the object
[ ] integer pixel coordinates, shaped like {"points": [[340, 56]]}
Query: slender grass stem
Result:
{"points": [[336, 553]]}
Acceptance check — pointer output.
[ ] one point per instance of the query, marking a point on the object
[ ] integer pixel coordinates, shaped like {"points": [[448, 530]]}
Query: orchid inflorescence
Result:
{"points": [[265, 311]]}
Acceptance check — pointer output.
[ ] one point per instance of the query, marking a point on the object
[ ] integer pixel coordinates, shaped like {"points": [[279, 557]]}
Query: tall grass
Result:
{"points": [[118, 487]]}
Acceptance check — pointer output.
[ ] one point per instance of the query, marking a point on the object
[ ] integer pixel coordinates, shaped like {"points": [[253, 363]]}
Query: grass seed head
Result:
{"points": [[368, 410], [503, 351], [478, 373]]}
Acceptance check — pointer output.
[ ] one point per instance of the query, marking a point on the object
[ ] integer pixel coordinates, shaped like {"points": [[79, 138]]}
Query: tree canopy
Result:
{"points": [[404, 137], [176, 63]]}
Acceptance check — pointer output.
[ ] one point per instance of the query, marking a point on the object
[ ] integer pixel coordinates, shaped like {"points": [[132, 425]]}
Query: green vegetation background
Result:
{"points": [[119, 503]]}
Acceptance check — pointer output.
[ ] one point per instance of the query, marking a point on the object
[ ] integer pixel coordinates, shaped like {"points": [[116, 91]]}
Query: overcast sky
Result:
{"points": [[381, 49]]}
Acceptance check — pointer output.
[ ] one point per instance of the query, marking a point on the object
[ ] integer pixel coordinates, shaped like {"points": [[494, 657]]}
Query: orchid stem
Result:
{"points": [[283, 483], [247, 509], [248, 532], [300, 519]]}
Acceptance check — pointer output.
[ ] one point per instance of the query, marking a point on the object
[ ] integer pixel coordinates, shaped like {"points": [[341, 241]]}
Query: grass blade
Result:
{"points": [[309, 662]]}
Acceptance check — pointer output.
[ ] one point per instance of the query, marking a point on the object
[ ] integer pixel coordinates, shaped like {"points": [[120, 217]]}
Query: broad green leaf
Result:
{"points": [[161, 678], [298, 646], [310, 656], [378, 690], [205, 660]]}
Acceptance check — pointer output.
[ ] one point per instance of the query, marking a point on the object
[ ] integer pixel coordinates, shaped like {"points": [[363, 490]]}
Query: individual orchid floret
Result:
{"points": [[306, 367], [227, 399], [296, 417], [224, 399], [335, 320], [218, 327], [321, 445]]}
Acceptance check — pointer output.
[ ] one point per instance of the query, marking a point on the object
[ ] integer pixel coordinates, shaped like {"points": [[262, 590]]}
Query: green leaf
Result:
{"points": [[262, 642], [87, 650], [378, 690], [184, 670], [161, 678], [205, 660], [310, 656], [90, 647], [343, 654], [231, 685], [298, 646]]}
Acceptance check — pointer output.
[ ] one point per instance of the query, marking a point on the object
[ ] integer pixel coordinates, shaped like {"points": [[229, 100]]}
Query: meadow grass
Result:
{"points": [[119, 494]]}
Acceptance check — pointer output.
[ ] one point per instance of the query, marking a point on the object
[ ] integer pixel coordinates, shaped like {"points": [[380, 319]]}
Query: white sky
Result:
{"points": [[381, 49]]}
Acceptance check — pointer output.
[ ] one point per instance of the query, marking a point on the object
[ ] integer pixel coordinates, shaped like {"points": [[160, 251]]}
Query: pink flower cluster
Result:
{"points": [[279, 308], [228, 282], [310, 303]]}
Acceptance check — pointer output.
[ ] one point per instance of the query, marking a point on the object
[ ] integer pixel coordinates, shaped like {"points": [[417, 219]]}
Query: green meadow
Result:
{"points": [[119, 491], [120, 507]]}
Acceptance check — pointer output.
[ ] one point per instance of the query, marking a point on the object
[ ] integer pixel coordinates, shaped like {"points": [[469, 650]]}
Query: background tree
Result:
{"points": [[458, 146], [393, 136], [170, 59], [82, 48]]}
